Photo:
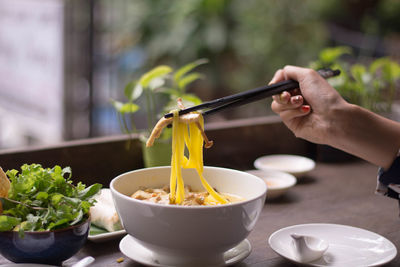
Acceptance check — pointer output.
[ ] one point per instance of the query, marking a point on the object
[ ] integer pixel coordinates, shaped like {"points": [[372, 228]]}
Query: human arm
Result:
{"points": [[319, 114]]}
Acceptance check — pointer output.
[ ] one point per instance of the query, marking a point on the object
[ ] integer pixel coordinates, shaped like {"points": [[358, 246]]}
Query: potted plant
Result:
{"points": [[160, 88], [371, 85]]}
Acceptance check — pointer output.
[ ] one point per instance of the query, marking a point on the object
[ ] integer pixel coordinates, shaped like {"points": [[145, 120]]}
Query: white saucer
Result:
{"points": [[348, 246], [293, 164], [135, 251]]}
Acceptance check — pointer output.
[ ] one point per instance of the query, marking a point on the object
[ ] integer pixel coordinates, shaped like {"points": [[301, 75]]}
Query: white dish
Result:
{"points": [[135, 251], [106, 236], [277, 182], [293, 164], [348, 246]]}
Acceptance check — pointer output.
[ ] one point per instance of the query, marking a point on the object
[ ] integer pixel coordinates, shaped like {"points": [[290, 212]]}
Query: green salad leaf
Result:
{"points": [[7, 222], [45, 199]]}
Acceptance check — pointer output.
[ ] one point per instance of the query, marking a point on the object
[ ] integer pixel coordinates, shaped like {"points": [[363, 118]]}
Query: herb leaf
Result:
{"points": [[45, 199], [8, 223]]}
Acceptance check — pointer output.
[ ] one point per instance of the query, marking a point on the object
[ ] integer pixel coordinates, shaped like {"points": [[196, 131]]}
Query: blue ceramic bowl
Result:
{"points": [[46, 247]]}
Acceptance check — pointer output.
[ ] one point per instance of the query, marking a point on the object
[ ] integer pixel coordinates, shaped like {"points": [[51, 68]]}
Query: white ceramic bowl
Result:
{"points": [[189, 235], [293, 164], [278, 183]]}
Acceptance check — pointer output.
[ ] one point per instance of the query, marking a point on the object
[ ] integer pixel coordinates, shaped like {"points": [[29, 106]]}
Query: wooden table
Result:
{"points": [[341, 193], [331, 193]]}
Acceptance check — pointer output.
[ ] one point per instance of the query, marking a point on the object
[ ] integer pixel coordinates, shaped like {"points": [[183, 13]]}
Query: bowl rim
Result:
{"points": [[290, 179], [287, 157], [173, 206], [87, 220], [281, 186]]}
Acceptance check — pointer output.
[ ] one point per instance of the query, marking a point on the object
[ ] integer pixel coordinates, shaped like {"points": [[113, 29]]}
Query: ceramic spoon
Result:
{"points": [[308, 248], [84, 262]]}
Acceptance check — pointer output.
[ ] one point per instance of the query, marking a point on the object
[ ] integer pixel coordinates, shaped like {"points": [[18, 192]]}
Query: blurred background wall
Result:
{"points": [[61, 61]]}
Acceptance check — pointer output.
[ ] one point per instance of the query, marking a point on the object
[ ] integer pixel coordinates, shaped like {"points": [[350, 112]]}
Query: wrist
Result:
{"points": [[365, 134], [340, 123]]}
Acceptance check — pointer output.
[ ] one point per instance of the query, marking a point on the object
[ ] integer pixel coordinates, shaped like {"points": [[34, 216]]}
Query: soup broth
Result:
{"points": [[192, 198]]}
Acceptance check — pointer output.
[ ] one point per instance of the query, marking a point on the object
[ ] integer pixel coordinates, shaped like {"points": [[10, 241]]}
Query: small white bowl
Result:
{"points": [[293, 164], [277, 182]]}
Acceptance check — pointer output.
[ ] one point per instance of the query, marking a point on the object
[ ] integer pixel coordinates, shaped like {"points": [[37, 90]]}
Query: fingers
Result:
{"points": [[282, 98], [286, 101], [291, 104], [289, 107], [290, 114], [298, 73], [292, 72], [278, 76]]}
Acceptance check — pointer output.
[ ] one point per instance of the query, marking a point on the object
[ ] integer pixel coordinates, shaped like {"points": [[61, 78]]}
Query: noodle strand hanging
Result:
{"points": [[186, 132]]}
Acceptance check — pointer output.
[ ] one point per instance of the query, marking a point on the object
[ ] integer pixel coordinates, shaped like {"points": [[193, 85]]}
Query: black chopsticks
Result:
{"points": [[249, 95]]}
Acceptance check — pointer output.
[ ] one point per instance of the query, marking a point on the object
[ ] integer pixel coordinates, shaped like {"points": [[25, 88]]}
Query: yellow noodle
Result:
{"points": [[196, 158], [193, 140]]}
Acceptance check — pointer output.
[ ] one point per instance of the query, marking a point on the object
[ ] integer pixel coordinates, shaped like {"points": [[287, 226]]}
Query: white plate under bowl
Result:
{"points": [[135, 251], [106, 236], [348, 246], [277, 182], [293, 164]]}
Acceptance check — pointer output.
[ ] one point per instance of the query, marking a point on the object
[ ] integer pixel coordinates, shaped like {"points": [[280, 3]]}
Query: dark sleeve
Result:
{"points": [[389, 180]]}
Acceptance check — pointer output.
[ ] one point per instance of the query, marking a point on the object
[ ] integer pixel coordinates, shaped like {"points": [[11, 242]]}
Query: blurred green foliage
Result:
{"points": [[160, 87], [371, 84], [246, 41]]}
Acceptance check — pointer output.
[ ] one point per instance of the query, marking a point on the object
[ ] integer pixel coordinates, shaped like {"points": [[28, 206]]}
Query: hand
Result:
{"points": [[308, 111], [316, 112]]}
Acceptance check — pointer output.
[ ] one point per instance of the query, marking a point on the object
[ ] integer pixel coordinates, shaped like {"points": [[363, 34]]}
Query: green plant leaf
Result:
{"points": [[116, 104], [124, 108], [56, 198], [89, 191], [57, 224], [129, 108], [377, 64], [51, 202], [396, 70], [94, 230], [42, 195], [67, 170], [390, 72], [190, 100], [329, 55], [188, 67], [358, 71], [133, 90], [78, 217], [137, 92], [157, 72], [385, 69], [8, 223], [184, 81], [156, 83]]}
